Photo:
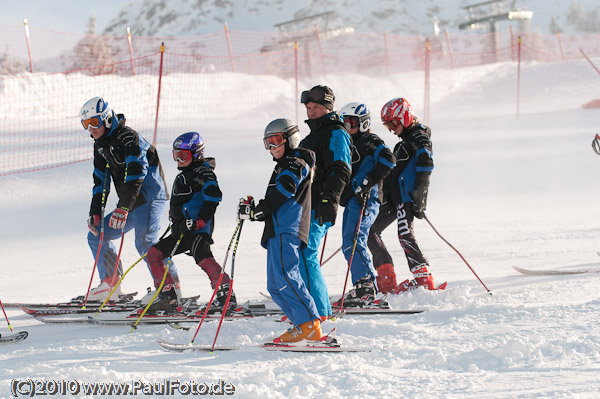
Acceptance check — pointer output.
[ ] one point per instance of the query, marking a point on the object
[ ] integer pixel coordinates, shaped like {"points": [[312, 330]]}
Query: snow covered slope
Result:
{"points": [[504, 192]]}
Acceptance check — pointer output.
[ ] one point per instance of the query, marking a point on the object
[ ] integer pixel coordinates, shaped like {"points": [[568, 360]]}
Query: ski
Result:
{"points": [[327, 343], [75, 305], [193, 347], [12, 338], [553, 272]]}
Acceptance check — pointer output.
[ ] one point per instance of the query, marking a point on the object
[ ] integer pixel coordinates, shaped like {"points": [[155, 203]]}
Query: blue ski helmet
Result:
{"points": [[190, 141]]}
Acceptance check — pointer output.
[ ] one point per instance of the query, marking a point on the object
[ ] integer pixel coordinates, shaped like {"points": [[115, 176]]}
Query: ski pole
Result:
{"points": [[161, 283], [362, 211], [459, 254], [590, 61], [230, 284], [5, 316], [237, 228], [124, 274], [331, 256], [323, 250], [103, 204]]}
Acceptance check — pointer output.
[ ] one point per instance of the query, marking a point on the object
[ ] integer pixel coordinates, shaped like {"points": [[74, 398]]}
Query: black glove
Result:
{"points": [[246, 208], [363, 191], [326, 211], [259, 213], [419, 195]]}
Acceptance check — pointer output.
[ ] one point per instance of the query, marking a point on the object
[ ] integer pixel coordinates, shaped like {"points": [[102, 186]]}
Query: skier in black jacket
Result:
{"points": [[330, 141], [194, 200], [405, 197], [126, 158], [372, 161]]}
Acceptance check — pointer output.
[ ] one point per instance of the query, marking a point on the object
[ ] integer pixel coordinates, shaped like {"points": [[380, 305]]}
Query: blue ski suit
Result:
{"points": [[286, 208], [371, 160]]}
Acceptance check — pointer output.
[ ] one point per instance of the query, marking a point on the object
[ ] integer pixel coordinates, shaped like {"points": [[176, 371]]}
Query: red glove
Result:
{"points": [[193, 225], [118, 218], [93, 221]]}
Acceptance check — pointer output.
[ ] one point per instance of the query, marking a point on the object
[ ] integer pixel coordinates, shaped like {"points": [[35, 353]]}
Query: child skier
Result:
{"points": [[286, 212], [194, 200]]}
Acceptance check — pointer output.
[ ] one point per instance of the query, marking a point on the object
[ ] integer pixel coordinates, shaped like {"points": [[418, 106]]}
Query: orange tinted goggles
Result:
{"points": [[273, 141], [94, 122]]}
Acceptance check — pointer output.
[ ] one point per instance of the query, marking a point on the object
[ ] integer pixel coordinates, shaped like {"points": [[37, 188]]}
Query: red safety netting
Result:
{"points": [[204, 79]]}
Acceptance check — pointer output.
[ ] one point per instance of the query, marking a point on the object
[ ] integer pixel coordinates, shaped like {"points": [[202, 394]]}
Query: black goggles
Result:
{"points": [[315, 96]]}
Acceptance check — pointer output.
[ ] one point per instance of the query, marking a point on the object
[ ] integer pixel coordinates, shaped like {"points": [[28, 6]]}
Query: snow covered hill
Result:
{"points": [[402, 17], [504, 192]]}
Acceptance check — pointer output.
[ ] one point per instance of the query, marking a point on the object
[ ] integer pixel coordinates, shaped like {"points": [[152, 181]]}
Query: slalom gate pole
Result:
{"points": [[459, 254], [161, 284], [124, 274], [5, 316], [237, 228], [237, 240], [362, 212], [103, 203], [323, 250], [331, 256]]}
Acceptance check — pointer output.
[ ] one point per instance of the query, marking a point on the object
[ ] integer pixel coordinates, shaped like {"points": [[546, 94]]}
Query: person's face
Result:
{"points": [[97, 132], [183, 158], [352, 121], [394, 126], [315, 111], [277, 152]]}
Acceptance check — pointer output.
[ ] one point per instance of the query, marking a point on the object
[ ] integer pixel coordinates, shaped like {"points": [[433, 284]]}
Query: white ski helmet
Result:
{"points": [[290, 132], [360, 111], [95, 112]]}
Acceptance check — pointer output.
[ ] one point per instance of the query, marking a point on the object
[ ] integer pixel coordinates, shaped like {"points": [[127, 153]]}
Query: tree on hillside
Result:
{"points": [[554, 27], [93, 51], [9, 65], [582, 19]]}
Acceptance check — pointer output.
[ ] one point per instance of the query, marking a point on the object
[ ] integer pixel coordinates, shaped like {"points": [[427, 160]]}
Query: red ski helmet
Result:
{"points": [[397, 109]]}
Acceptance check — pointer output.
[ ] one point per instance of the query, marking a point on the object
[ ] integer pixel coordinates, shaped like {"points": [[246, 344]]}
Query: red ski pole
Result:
{"points": [[362, 212], [5, 316], [323, 250], [459, 254], [103, 203], [230, 284], [237, 228]]}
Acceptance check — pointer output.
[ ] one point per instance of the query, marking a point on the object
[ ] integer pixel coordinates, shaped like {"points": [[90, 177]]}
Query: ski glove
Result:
{"points": [[363, 191], [192, 225], [93, 221], [246, 208], [258, 213], [118, 218], [326, 211], [419, 196]]}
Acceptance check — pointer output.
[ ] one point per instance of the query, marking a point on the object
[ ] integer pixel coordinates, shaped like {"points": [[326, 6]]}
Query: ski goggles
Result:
{"points": [[274, 141], [182, 155], [392, 125], [94, 122], [315, 96], [351, 120]]}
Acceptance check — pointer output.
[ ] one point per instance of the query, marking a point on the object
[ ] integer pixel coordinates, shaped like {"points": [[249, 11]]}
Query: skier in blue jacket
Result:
{"points": [[330, 141], [372, 161], [126, 158], [405, 198], [286, 212]]}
